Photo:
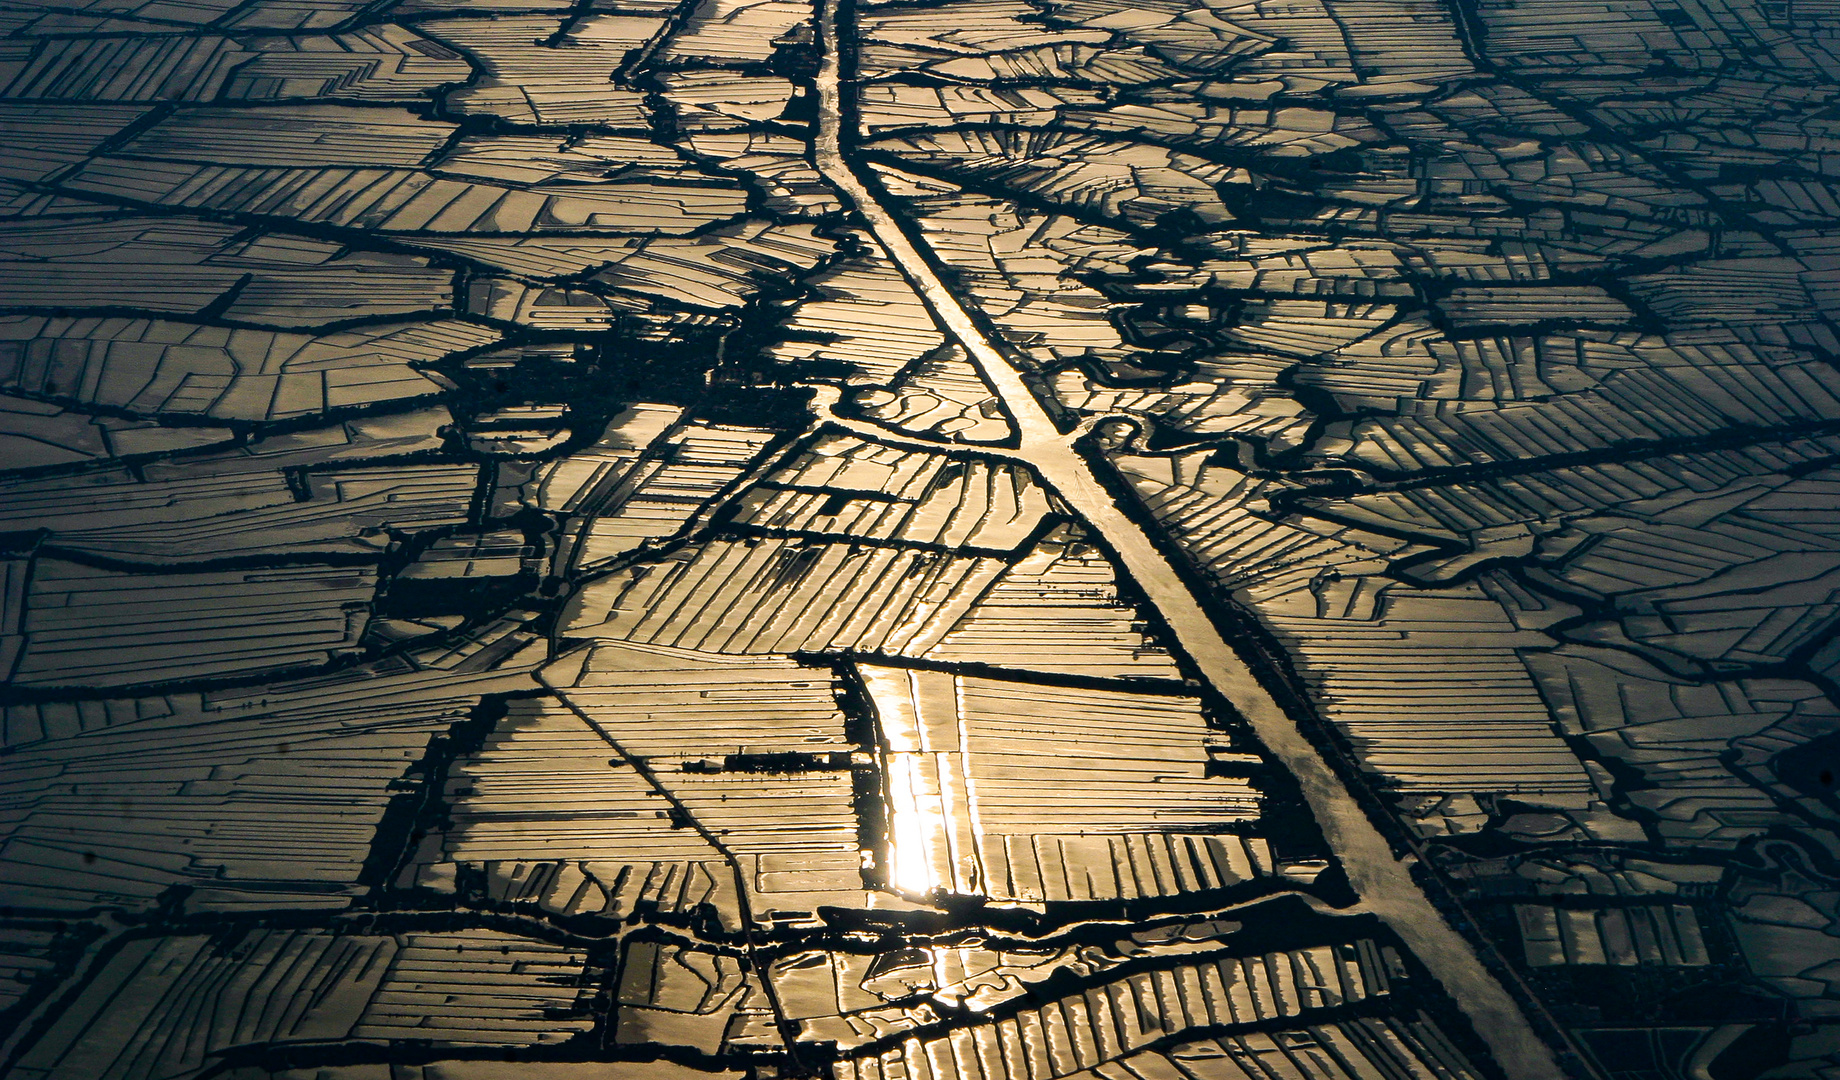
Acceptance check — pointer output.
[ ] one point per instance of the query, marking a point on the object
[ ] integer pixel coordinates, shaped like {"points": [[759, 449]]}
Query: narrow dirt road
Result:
{"points": [[1384, 883]]}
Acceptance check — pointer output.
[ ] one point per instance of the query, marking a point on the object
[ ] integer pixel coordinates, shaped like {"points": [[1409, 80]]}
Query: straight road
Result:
{"points": [[1384, 883]]}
